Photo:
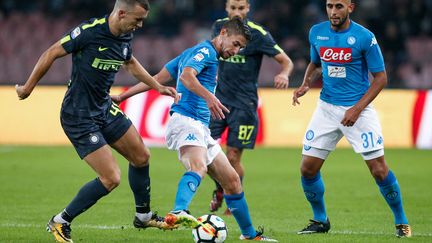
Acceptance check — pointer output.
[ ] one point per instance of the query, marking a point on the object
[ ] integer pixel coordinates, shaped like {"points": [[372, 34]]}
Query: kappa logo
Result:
{"points": [[205, 51], [191, 137]]}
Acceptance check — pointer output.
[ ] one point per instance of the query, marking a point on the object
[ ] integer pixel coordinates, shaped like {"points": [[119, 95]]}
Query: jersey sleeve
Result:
{"points": [[172, 67], [314, 55], [373, 55], [76, 39], [269, 47], [199, 59]]}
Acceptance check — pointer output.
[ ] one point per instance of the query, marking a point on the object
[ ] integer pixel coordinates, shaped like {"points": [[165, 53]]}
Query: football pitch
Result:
{"points": [[38, 182]]}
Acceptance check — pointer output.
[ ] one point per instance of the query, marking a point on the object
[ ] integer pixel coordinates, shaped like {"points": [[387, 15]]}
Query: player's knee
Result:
{"points": [[307, 171], [233, 156], [112, 181], [142, 158], [195, 165], [379, 172]]}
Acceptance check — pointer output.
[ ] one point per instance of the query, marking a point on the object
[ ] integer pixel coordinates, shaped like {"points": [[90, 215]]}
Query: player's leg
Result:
{"points": [[366, 138], [194, 160], [224, 173], [313, 188], [390, 190], [321, 137], [217, 128]]}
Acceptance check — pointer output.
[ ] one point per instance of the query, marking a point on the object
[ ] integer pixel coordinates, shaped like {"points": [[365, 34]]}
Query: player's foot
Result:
{"points": [[60, 231], [181, 217], [227, 212], [315, 227], [216, 201], [155, 221], [259, 237], [403, 230]]}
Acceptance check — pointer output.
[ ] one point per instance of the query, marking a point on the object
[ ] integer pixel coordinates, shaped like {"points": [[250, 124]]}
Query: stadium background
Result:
{"points": [[403, 28]]}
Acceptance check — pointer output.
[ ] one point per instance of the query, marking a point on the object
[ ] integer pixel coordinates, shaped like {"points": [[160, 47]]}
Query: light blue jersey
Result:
{"points": [[204, 59], [345, 57]]}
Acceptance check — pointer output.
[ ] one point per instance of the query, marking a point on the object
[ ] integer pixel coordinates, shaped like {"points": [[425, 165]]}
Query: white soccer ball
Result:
{"points": [[213, 229]]}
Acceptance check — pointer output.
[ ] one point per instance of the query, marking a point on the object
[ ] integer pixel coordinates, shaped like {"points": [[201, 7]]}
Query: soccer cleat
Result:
{"points": [[259, 236], [403, 230], [216, 201], [155, 222], [60, 231], [315, 227], [181, 217]]}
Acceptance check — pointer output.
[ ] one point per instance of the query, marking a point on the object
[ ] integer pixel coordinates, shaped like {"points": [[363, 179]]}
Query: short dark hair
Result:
{"points": [[236, 26], [143, 3]]}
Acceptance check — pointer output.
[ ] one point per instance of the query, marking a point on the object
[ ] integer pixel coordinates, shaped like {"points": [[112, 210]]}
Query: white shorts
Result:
{"points": [[325, 129], [183, 130]]}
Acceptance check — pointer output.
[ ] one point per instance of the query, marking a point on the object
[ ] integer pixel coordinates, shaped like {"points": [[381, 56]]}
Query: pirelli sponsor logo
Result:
{"points": [[107, 65], [235, 59]]}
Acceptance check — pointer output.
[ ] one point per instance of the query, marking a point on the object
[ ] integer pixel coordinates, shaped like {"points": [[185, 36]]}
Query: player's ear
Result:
{"points": [[223, 31], [351, 7], [121, 13]]}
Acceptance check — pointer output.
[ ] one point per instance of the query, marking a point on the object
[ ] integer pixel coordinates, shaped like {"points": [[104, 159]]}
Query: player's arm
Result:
{"points": [[378, 83], [190, 81], [313, 73], [281, 80], [138, 71], [42, 66], [162, 77]]}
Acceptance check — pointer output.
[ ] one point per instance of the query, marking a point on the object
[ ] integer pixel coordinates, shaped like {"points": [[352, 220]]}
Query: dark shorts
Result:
{"points": [[88, 134], [242, 127]]}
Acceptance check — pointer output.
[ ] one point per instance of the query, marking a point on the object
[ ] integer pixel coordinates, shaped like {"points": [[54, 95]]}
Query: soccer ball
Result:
{"points": [[212, 229]]}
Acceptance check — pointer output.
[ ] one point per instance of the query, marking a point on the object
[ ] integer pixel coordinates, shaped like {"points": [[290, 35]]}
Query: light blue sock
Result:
{"points": [[239, 209], [186, 189], [314, 191], [389, 188]]}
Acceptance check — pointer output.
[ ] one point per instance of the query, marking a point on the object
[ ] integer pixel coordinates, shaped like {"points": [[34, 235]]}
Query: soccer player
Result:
{"points": [[346, 51], [92, 121], [237, 90], [195, 71]]}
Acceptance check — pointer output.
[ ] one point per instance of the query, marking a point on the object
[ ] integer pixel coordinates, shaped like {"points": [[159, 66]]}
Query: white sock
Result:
{"points": [[58, 219], [144, 216]]}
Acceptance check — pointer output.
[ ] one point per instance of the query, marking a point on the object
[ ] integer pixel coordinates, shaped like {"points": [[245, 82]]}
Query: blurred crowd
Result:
{"points": [[403, 29]]}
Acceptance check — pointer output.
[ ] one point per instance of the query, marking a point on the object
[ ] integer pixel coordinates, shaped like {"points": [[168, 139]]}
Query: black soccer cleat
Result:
{"points": [[315, 227], [61, 232], [403, 230], [155, 222]]}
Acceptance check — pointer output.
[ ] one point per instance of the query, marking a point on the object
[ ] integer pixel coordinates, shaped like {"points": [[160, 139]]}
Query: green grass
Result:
{"points": [[38, 182]]}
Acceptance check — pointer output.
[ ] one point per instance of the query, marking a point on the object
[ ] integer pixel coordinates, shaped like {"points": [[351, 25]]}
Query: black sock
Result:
{"points": [[139, 182], [87, 196]]}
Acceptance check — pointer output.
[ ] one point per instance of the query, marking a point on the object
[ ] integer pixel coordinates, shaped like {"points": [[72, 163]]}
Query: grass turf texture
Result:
{"points": [[38, 182]]}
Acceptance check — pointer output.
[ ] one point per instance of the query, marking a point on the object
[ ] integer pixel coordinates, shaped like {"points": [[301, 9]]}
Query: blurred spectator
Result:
{"points": [[403, 29]]}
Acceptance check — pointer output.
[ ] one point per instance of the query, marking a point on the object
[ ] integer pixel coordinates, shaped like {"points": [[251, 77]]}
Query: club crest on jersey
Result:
{"points": [[336, 55], [76, 32], [351, 40]]}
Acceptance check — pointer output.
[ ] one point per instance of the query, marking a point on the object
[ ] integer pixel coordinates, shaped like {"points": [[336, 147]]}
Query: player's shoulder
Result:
{"points": [[256, 28], [360, 29], [322, 26]]}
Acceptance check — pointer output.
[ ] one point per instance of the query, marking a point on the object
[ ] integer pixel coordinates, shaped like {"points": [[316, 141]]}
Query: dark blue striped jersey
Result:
{"points": [[238, 75], [97, 56]]}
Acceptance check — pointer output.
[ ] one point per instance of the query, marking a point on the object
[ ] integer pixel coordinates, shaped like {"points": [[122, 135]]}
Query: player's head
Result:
{"points": [[130, 14], [233, 36], [237, 8], [338, 12]]}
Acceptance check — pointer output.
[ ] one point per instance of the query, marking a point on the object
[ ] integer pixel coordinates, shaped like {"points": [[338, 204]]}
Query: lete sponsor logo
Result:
{"points": [[336, 55]]}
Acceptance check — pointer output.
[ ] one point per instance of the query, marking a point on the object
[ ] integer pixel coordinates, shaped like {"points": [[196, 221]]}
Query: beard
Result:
{"points": [[339, 23]]}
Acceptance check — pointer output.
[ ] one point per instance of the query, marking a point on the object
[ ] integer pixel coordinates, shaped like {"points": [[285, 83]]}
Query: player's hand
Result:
{"points": [[116, 99], [351, 116], [169, 91], [281, 81], [302, 90], [216, 108], [22, 92]]}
